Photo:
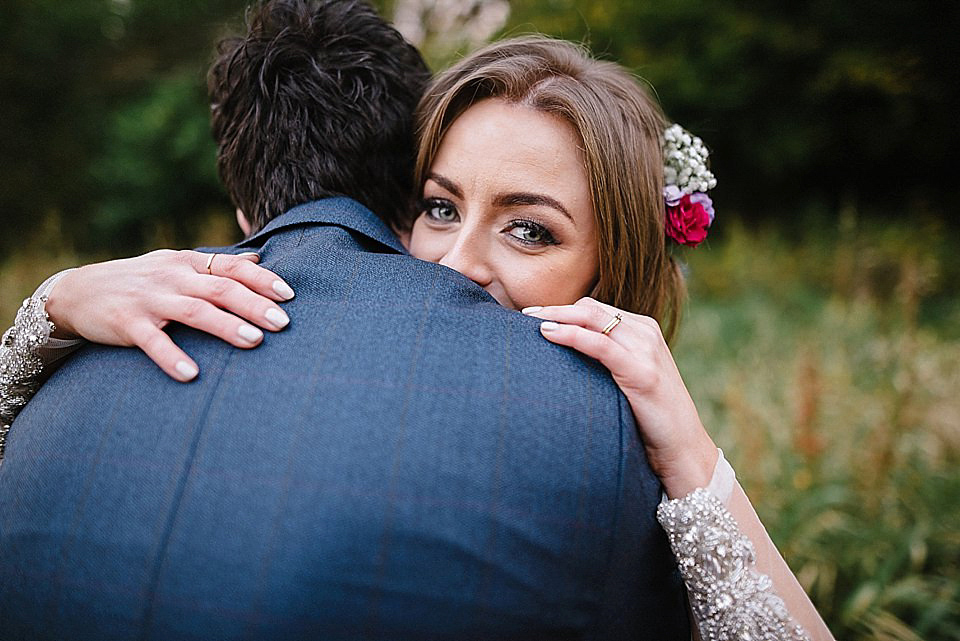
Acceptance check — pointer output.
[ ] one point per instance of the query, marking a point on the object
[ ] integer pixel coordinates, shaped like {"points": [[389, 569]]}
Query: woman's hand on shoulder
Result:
{"points": [[633, 348], [128, 302]]}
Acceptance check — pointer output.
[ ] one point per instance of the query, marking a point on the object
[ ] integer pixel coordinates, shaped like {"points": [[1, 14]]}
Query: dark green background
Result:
{"points": [[809, 106]]}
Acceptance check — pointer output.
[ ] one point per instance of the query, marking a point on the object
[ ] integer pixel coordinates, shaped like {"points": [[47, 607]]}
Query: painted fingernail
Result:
{"points": [[249, 255], [549, 326], [277, 318], [249, 333], [187, 370], [283, 289], [531, 310]]}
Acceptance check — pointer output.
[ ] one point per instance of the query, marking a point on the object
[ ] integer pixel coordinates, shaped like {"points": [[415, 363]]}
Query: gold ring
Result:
{"points": [[210, 264], [616, 320]]}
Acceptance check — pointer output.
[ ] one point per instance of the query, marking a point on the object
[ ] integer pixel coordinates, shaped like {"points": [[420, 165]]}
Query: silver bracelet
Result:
{"points": [[730, 599]]}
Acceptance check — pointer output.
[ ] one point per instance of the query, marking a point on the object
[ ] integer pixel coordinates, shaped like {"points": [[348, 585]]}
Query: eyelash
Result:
{"points": [[547, 237], [425, 206]]}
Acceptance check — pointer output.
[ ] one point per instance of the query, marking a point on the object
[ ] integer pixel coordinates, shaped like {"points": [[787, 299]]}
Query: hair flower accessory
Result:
{"points": [[689, 210]]}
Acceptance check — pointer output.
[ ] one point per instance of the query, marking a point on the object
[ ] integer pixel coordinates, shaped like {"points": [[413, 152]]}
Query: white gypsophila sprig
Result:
{"points": [[685, 161]]}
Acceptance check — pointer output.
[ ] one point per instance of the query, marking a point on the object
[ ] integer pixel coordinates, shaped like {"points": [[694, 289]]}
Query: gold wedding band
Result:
{"points": [[210, 264], [616, 320]]}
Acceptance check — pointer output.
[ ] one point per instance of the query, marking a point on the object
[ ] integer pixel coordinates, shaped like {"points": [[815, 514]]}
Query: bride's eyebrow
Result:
{"points": [[526, 198], [446, 183], [513, 199]]}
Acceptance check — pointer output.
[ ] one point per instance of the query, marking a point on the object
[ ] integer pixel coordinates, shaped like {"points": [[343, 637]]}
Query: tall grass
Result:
{"points": [[828, 368], [829, 371]]}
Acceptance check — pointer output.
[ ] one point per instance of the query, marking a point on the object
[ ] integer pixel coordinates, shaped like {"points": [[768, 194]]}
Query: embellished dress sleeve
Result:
{"points": [[729, 597], [27, 353]]}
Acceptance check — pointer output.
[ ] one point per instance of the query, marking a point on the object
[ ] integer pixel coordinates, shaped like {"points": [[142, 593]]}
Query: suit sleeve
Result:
{"points": [[644, 595]]}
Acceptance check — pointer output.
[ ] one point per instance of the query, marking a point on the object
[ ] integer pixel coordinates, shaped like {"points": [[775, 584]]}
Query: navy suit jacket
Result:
{"points": [[407, 460]]}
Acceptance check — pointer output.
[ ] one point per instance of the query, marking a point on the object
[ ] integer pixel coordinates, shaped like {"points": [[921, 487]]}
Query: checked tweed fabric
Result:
{"points": [[407, 460]]}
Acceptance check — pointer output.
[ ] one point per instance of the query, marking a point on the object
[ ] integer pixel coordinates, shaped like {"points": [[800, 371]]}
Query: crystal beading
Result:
{"points": [[21, 365], [729, 597]]}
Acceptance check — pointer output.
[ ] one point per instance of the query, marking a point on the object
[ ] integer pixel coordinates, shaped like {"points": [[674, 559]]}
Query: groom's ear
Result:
{"points": [[245, 226]]}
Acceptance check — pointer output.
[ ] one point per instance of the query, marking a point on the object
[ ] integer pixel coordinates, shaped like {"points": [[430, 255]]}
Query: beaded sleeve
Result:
{"points": [[27, 353], [21, 364], [730, 599]]}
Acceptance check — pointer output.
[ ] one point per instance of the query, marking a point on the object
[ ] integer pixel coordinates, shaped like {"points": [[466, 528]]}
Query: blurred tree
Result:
{"points": [[94, 93], [803, 103], [806, 105], [47, 48], [157, 167]]}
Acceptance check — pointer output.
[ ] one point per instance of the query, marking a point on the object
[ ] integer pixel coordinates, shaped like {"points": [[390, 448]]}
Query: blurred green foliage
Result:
{"points": [[808, 106], [161, 139], [827, 370], [105, 118]]}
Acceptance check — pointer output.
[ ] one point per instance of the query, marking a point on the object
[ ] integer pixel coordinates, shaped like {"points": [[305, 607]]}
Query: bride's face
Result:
{"points": [[507, 204]]}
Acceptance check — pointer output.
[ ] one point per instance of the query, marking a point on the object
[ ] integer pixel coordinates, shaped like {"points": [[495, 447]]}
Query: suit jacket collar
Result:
{"points": [[341, 211]]}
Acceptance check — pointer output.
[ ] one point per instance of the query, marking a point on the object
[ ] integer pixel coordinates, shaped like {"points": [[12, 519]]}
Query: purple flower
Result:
{"points": [[672, 195]]}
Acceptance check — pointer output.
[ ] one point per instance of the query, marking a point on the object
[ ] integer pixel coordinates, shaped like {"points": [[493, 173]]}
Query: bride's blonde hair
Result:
{"points": [[620, 128]]}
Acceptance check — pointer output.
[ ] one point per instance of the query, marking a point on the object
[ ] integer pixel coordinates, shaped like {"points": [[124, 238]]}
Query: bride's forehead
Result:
{"points": [[510, 140], [498, 118]]}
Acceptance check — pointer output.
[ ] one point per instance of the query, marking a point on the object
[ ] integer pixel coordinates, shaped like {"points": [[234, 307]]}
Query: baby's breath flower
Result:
{"points": [[685, 161]]}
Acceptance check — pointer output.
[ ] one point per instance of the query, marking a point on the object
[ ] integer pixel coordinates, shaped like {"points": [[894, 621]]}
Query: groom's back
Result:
{"points": [[407, 460]]}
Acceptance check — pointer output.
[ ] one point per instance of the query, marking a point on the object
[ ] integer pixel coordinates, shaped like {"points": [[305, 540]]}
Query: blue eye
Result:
{"points": [[438, 210], [530, 233]]}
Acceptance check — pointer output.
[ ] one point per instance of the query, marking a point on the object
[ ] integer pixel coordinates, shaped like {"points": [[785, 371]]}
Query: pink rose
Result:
{"points": [[688, 220]]}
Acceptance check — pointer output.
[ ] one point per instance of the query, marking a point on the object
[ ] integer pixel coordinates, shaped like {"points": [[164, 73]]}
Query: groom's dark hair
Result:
{"points": [[316, 100]]}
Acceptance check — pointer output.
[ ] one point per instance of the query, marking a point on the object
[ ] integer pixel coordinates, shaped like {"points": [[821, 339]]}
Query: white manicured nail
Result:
{"points": [[549, 326], [277, 318], [187, 370], [249, 333], [283, 289], [531, 310], [250, 254]]}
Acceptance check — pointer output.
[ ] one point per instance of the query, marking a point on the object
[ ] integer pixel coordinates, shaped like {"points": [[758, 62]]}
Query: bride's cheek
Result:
{"points": [[526, 289], [418, 243]]}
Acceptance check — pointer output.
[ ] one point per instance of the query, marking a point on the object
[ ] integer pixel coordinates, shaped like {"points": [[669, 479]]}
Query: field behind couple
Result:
{"points": [[828, 369], [827, 365]]}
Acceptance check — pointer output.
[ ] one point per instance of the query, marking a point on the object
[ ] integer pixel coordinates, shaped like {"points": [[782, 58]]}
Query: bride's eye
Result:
{"points": [[439, 210], [530, 233]]}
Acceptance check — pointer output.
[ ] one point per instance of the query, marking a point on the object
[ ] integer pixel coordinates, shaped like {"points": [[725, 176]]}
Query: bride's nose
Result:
{"points": [[469, 255]]}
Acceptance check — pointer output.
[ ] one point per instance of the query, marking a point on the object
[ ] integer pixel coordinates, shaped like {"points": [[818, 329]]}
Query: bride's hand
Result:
{"points": [[678, 447], [128, 302]]}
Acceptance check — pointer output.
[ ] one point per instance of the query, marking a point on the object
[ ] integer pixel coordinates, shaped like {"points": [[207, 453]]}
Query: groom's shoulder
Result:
{"points": [[336, 244], [335, 250], [350, 271]]}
